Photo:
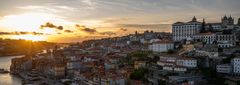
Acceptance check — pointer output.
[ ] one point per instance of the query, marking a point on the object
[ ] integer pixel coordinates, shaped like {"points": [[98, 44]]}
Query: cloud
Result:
{"points": [[22, 33], [123, 29], [89, 30], [85, 29], [51, 25], [5, 33], [31, 7], [60, 27], [94, 31], [68, 31]]}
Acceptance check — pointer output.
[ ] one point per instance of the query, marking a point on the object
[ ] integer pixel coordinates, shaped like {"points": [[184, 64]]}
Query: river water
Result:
{"points": [[7, 79]]}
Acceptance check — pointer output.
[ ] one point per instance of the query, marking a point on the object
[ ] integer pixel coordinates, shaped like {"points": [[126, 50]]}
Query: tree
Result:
{"points": [[139, 74], [141, 55], [155, 59], [170, 51], [161, 82]]}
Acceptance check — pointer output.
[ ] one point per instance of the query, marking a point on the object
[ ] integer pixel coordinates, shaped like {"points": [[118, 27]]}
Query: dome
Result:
{"points": [[230, 18], [225, 17], [194, 19]]}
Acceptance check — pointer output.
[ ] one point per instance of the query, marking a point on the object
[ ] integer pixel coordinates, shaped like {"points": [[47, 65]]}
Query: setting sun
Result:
{"points": [[25, 22], [30, 37]]}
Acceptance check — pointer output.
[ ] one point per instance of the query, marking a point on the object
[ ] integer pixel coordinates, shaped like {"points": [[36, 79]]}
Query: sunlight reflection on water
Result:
{"points": [[7, 79]]}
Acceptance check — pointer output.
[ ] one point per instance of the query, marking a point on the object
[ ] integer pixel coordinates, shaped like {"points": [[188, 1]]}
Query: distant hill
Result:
{"points": [[9, 47]]}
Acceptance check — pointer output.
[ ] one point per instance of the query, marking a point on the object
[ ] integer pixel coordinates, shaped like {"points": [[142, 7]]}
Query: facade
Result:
{"points": [[227, 21], [181, 30], [187, 62], [236, 65], [225, 37], [214, 26], [161, 46], [57, 71], [224, 68], [180, 69], [209, 38], [173, 68], [113, 81], [191, 80], [138, 64], [177, 64]]}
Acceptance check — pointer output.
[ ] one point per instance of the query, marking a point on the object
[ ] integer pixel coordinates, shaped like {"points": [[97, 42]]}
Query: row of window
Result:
{"points": [[187, 26]]}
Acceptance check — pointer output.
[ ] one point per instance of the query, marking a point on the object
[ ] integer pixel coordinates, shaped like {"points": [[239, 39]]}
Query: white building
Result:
{"points": [[161, 46], [168, 68], [225, 37], [224, 68], [225, 44], [187, 62], [181, 30], [177, 64], [215, 26], [164, 63], [209, 38], [180, 69], [174, 68], [236, 65], [168, 58]]}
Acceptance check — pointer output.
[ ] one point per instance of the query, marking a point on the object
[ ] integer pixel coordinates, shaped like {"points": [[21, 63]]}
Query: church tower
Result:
{"points": [[230, 20], [225, 21], [203, 30], [238, 22]]}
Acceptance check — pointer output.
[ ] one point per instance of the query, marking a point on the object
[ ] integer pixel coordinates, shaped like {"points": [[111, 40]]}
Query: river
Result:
{"points": [[7, 79]]}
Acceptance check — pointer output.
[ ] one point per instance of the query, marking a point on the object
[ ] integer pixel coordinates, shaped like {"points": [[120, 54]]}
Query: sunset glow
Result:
{"points": [[30, 37], [102, 18]]}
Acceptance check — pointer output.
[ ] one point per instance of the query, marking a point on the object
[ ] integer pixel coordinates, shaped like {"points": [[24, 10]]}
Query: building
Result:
{"points": [[186, 80], [225, 37], [138, 64], [174, 68], [227, 21], [176, 64], [187, 62], [214, 26], [182, 30], [232, 80], [57, 71], [224, 68], [161, 46], [236, 65], [209, 38]]}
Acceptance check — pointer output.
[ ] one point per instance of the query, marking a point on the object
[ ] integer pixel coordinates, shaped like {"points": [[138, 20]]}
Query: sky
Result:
{"points": [[78, 20]]}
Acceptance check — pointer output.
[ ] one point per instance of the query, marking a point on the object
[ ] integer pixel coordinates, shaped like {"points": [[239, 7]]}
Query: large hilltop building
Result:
{"points": [[184, 30], [194, 29], [226, 23]]}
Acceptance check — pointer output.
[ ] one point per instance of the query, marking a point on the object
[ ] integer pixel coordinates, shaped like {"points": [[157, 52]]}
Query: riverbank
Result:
{"points": [[10, 55], [8, 79]]}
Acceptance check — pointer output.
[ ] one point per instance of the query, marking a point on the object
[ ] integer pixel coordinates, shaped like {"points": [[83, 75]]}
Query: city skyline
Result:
{"points": [[78, 20]]}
